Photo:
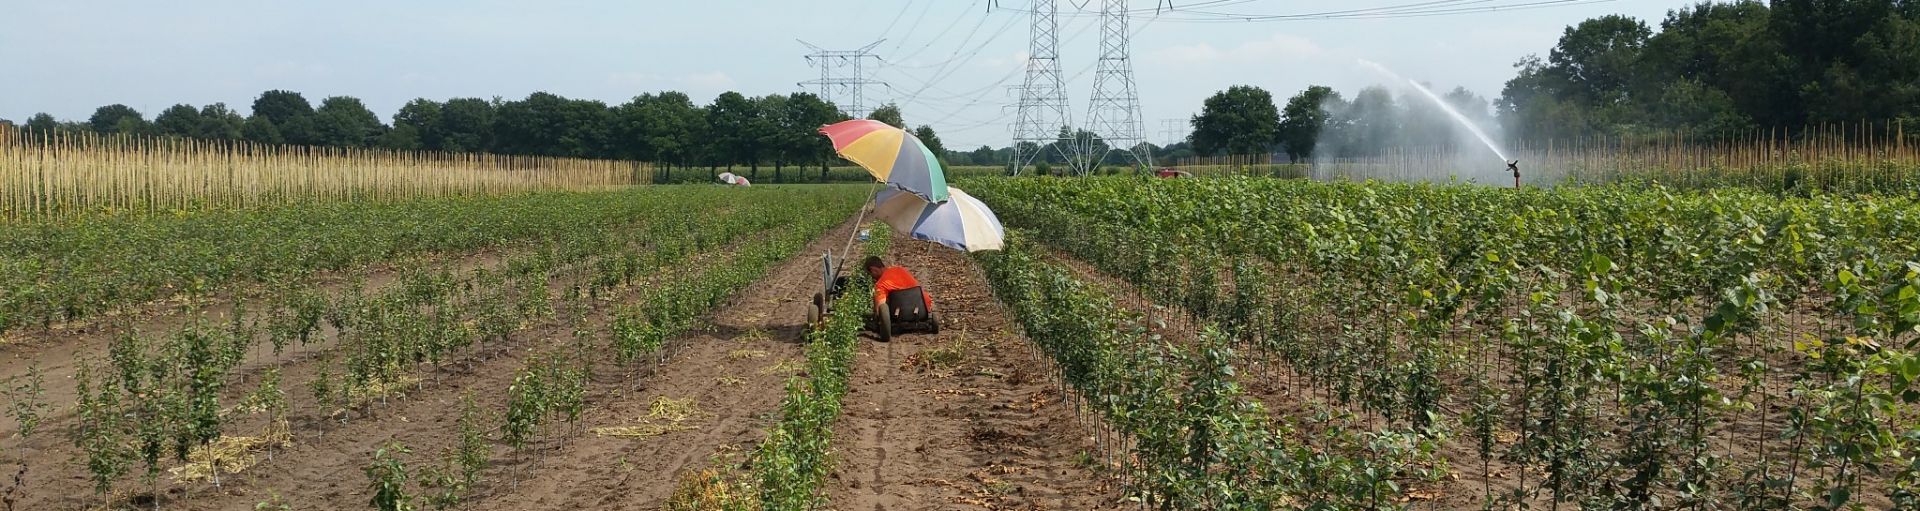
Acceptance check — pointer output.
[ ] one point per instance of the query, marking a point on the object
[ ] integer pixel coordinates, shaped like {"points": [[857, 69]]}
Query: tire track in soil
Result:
{"points": [[591, 472], [960, 420]]}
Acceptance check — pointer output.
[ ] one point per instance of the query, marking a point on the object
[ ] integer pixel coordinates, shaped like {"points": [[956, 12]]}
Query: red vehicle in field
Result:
{"points": [[1168, 172]]}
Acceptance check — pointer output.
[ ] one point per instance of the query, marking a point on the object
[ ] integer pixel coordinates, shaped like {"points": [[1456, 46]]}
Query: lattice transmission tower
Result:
{"points": [[1043, 98], [842, 75], [1114, 110]]}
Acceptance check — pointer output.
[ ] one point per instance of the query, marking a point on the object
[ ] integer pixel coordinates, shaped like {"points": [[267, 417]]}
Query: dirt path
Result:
{"points": [[734, 373], [959, 420]]}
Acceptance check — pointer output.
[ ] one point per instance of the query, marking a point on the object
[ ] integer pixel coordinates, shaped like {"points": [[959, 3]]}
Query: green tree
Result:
{"points": [[1367, 126], [117, 118], [1239, 120], [180, 120], [42, 123], [343, 121], [401, 138], [417, 126], [584, 129], [545, 124], [217, 122], [465, 125], [765, 140], [727, 119], [1599, 56], [889, 114], [261, 130], [805, 114], [1725, 46], [1695, 107], [1306, 116], [986, 155], [290, 113], [628, 127], [674, 127]]}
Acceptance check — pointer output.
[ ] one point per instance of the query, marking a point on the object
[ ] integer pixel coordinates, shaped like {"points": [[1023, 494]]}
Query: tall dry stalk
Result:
{"points": [[63, 174]]}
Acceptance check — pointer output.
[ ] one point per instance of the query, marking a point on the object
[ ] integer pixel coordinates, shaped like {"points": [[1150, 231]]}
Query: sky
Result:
{"points": [[947, 63]]}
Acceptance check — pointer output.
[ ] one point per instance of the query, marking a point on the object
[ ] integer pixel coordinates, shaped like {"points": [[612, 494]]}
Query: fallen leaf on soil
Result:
{"points": [[744, 354], [784, 366], [665, 415], [232, 454]]}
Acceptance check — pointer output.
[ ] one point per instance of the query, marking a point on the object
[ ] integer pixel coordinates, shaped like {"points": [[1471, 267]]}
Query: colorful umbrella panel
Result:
{"points": [[891, 155]]}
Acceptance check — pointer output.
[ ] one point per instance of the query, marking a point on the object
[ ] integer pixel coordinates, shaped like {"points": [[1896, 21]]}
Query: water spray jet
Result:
{"points": [[1512, 164]]}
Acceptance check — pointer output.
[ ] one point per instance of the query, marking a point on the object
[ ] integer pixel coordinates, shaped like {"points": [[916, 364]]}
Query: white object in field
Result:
{"points": [[728, 178], [961, 222]]}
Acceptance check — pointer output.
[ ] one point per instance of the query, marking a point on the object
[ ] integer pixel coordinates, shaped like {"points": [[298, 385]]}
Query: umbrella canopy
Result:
{"points": [[963, 222], [892, 155]]}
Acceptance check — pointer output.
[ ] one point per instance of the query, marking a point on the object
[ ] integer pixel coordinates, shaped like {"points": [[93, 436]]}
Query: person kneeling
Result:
{"points": [[888, 280]]}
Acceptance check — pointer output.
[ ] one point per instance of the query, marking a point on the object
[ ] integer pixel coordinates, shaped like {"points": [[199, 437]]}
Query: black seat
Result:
{"points": [[908, 305]]}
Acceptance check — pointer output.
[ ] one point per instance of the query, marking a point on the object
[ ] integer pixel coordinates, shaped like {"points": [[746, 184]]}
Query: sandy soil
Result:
{"points": [[960, 420]]}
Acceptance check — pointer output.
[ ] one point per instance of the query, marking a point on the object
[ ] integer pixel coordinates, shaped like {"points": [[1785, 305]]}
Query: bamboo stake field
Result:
{"points": [[66, 174]]}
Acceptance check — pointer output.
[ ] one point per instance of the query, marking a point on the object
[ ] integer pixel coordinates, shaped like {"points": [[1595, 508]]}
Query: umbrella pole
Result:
{"points": [[848, 247]]}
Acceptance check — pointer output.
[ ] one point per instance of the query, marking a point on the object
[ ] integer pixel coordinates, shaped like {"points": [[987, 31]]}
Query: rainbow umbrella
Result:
{"points": [[892, 155]]}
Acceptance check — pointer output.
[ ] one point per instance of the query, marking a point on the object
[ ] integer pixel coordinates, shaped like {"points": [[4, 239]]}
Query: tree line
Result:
{"points": [[1724, 69], [1713, 71], [665, 128]]}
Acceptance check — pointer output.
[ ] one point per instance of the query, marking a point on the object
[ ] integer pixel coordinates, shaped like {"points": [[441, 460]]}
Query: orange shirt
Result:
{"points": [[895, 278]]}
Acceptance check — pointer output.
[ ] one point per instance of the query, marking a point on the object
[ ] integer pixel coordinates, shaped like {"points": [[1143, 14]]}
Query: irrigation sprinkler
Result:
{"points": [[1514, 165]]}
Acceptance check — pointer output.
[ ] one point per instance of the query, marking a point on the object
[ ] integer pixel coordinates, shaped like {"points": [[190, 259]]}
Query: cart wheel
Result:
{"points": [[933, 322], [886, 326], [816, 311]]}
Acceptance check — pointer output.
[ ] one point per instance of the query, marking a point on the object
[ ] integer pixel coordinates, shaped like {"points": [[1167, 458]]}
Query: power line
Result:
{"points": [[943, 73], [938, 37], [832, 82], [911, 28], [1075, 36], [896, 19], [980, 94]]}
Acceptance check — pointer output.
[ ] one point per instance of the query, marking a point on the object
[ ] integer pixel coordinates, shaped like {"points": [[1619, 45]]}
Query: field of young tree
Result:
{"points": [[1458, 347], [632, 347]]}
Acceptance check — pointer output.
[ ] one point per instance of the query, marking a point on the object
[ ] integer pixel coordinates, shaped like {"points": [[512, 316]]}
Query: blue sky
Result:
{"points": [[68, 57]]}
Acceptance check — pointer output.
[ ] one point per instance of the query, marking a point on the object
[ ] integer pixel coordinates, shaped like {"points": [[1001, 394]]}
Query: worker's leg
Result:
{"points": [[873, 318]]}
